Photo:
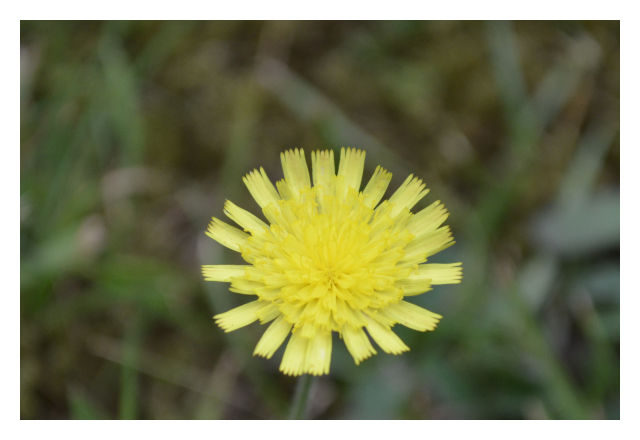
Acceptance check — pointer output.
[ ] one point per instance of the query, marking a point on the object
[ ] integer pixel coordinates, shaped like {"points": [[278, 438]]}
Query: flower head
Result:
{"points": [[331, 259]]}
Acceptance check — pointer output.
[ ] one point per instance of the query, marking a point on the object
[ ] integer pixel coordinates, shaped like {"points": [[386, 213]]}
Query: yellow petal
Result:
{"points": [[244, 286], [227, 235], [427, 220], [296, 172], [357, 343], [287, 191], [412, 316], [273, 338], [409, 193], [223, 273], [377, 186], [295, 355], [411, 287], [386, 338], [240, 316], [256, 274], [324, 170], [244, 218], [318, 358], [261, 187], [429, 244], [439, 273], [268, 313], [351, 168]]}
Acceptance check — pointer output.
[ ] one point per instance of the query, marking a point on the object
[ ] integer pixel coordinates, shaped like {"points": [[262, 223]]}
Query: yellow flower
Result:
{"points": [[331, 260]]}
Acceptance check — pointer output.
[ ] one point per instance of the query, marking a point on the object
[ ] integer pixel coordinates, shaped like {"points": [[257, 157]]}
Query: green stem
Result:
{"points": [[301, 398]]}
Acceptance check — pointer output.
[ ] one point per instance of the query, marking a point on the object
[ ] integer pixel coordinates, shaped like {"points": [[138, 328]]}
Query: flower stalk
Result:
{"points": [[300, 404]]}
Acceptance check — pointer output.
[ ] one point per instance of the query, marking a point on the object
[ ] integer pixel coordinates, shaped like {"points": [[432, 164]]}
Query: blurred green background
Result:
{"points": [[134, 133]]}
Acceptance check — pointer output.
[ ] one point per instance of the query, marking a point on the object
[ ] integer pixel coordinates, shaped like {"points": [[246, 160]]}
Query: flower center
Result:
{"points": [[330, 260]]}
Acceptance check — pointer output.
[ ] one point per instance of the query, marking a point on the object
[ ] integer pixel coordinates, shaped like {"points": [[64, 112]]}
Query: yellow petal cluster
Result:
{"points": [[331, 259]]}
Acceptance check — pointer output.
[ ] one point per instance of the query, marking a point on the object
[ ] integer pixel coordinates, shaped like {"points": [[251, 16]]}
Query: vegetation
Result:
{"points": [[134, 133]]}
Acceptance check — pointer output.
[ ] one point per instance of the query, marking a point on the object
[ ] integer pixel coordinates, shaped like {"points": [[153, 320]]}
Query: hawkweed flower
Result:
{"points": [[331, 259]]}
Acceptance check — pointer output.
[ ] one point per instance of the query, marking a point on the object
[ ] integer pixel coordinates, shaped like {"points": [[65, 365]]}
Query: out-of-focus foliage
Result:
{"points": [[134, 133]]}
